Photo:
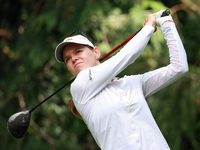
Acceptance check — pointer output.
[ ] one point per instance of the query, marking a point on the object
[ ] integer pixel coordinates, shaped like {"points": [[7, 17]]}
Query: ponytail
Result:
{"points": [[73, 109]]}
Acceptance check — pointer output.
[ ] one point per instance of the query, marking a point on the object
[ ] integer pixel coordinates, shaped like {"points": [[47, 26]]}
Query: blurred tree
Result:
{"points": [[29, 33]]}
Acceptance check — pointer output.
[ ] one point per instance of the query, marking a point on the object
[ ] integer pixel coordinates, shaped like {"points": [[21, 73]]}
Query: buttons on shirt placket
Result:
{"points": [[134, 134], [134, 130], [128, 106]]}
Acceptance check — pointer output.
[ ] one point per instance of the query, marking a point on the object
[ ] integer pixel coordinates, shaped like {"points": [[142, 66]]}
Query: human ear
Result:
{"points": [[97, 53]]}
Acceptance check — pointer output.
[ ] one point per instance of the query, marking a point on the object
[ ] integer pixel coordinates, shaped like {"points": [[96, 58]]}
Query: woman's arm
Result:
{"points": [[91, 81], [153, 81]]}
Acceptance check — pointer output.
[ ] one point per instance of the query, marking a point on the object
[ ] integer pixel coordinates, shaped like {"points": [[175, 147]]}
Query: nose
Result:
{"points": [[74, 58]]}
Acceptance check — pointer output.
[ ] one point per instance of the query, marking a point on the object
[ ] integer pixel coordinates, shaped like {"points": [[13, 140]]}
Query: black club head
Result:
{"points": [[18, 123]]}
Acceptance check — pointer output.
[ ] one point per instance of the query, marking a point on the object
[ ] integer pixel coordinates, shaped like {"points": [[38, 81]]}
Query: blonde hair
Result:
{"points": [[73, 109]]}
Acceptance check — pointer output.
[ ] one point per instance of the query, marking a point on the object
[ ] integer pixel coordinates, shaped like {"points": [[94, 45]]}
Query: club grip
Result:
{"points": [[165, 13]]}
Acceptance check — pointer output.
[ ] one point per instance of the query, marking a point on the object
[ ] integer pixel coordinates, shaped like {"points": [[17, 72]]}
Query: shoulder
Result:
{"points": [[81, 78], [80, 81]]}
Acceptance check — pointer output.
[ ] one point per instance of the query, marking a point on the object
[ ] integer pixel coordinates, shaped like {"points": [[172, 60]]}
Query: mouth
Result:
{"points": [[77, 64]]}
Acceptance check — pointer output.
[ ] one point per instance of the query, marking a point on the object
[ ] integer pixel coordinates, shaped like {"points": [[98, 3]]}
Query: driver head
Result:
{"points": [[18, 123]]}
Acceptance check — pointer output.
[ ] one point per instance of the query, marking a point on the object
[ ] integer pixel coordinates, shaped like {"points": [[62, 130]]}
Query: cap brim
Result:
{"points": [[78, 39], [59, 50]]}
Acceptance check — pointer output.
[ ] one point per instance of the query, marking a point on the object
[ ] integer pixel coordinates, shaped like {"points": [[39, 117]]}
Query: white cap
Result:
{"points": [[78, 39]]}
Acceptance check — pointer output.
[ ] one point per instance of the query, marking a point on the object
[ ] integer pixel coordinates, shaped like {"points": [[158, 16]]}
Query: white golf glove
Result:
{"points": [[160, 20]]}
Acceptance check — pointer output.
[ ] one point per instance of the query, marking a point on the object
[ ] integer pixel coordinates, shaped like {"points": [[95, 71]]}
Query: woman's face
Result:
{"points": [[79, 57]]}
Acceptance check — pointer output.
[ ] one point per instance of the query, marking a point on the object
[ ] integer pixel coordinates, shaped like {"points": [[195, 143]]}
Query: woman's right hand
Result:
{"points": [[150, 20]]}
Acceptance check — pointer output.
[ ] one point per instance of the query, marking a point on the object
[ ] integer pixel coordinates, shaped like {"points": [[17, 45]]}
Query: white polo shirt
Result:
{"points": [[115, 110]]}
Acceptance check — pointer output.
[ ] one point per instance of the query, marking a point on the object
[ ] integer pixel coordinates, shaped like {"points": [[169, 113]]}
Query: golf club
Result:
{"points": [[18, 123]]}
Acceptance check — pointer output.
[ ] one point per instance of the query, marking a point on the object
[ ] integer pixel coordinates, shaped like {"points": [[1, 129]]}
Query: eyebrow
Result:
{"points": [[73, 51]]}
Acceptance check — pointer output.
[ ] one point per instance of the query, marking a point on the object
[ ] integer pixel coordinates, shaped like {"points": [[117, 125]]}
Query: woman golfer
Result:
{"points": [[115, 109]]}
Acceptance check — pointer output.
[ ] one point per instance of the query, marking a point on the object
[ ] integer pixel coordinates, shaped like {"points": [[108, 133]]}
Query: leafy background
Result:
{"points": [[29, 33]]}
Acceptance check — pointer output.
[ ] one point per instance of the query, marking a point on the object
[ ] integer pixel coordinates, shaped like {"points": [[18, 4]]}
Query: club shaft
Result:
{"points": [[105, 56], [117, 47], [165, 13], [52, 95]]}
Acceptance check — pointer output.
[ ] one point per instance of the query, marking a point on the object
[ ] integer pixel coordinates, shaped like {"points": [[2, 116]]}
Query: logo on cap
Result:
{"points": [[68, 38]]}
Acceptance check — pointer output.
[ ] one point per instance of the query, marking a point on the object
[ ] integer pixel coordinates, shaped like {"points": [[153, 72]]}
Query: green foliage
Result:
{"points": [[30, 31]]}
